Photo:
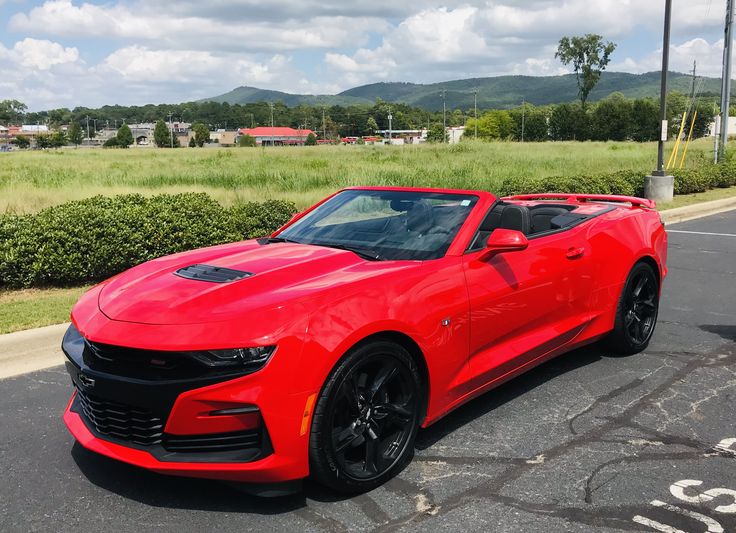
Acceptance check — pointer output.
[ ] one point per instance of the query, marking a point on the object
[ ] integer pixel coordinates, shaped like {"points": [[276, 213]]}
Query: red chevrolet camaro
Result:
{"points": [[321, 350]]}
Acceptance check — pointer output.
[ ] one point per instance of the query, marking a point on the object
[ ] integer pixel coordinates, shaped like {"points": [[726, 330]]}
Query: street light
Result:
{"points": [[659, 186]]}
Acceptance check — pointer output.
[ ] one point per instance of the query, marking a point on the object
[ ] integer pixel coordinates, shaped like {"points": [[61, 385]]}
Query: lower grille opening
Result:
{"points": [[120, 421], [218, 442], [142, 429]]}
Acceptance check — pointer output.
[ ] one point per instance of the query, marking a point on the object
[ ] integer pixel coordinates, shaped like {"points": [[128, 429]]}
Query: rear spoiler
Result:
{"points": [[578, 198]]}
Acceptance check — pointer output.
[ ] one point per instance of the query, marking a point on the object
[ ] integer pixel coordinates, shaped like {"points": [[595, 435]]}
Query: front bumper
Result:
{"points": [[272, 469], [177, 427]]}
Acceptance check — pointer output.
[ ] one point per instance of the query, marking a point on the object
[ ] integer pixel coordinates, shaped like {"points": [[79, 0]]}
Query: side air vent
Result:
{"points": [[212, 274]]}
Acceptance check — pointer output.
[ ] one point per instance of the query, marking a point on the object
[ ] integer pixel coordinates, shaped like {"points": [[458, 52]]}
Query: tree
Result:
{"points": [[124, 136], [492, 125], [437, 133], [534, 120], [247, 141], [589, 56], [192, 144], [58, 139], [371, 126], [569, 122], [161, 134], [12, 111], [201, 134], [112, 142], [21, 141], [75, 134], [645, 125], [612, 118], [311, 140], [43, 141]]}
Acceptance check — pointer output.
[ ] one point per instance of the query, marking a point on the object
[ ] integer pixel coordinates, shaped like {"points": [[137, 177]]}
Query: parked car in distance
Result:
{"points": [[321, 350]]}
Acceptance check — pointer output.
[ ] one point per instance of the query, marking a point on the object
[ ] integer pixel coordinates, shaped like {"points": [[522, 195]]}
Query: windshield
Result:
{"points": [[385, 224]]}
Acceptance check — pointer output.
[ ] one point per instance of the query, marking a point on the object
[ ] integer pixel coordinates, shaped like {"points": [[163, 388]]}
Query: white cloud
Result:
{"points": [[707, 55], [167, 52], [42, 54], [148, 23]]}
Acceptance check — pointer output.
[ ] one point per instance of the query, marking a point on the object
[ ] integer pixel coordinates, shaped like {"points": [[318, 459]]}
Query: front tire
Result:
{"points": [[366, 418], [636, 314]]}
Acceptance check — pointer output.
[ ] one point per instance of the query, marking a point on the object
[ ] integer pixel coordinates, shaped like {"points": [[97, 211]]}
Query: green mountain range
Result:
{"points": [[498, 92]]}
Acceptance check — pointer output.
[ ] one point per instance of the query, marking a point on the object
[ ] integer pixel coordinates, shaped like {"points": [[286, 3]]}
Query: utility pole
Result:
{"points": [[692, 89], [390, 118], [324, 125], [171, 130], [523, 118], [270, 104], [659, 186], [475, 112], [444, 118], [726, 79], [87, 129]]}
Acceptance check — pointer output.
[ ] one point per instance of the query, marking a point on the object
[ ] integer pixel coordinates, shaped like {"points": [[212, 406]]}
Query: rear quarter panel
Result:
{"points": [[618, 240]]}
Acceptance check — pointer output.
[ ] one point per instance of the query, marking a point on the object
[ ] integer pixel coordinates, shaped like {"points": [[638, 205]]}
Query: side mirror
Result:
{"points": [[505, 240]]}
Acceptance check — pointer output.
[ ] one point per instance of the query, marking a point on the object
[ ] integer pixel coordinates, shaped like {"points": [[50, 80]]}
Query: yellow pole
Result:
{"points": [[676, 148], [689, 136]]}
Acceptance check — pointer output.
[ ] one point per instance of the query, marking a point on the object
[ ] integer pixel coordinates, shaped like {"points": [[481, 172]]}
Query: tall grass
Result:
{"points": [[30, 181]]}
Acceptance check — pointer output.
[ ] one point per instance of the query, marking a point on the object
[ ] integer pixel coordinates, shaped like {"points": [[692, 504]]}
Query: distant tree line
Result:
{"points": [[613, 118]]}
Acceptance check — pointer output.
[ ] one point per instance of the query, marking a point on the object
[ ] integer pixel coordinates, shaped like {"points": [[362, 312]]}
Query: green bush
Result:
{"points": [[625, 182], [92, 239]]}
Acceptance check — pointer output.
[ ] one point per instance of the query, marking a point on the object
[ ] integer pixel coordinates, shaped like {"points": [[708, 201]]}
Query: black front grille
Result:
{"points": [[218, 442], [142, 364], [212, 274], [119, 421]]}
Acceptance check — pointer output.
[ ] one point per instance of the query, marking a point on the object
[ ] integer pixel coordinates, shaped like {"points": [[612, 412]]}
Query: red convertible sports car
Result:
{"points": [[321, 350]]}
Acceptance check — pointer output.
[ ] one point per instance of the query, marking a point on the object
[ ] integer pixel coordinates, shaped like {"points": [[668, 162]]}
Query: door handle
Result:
{"points": [[574, 253]]}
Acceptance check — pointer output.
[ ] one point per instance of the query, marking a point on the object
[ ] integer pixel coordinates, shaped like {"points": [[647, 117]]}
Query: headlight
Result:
{"points": [[237, 357]]}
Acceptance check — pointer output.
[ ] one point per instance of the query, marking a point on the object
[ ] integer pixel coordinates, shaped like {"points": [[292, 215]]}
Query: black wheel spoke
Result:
{"points": [[371, 452], [349, 391], [385, 375], [639, 286], [345, 438], [393, 412]]}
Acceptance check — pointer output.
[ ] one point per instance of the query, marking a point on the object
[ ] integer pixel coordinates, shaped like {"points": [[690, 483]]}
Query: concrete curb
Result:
{"points": [[703, 209], [30, 350]]}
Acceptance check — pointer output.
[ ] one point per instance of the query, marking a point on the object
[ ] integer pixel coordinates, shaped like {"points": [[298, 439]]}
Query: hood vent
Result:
{"points": [[212, 274]]}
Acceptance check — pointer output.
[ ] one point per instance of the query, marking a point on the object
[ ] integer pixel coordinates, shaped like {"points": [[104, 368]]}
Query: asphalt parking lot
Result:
{"points": [[587, 442]]}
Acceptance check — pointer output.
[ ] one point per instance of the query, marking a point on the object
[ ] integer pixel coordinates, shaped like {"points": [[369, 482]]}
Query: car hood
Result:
{"points": [[152, 294]]}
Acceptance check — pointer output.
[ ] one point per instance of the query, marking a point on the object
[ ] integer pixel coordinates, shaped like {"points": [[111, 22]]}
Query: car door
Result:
{"points": [[526, 303]]}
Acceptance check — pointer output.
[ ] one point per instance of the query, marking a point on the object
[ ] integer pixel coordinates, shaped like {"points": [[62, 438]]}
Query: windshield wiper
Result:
{"points": [[365, 253]]}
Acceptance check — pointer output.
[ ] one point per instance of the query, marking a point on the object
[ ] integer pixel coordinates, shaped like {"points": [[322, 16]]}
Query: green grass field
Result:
{"points": [[30, 181], [33, 308]]}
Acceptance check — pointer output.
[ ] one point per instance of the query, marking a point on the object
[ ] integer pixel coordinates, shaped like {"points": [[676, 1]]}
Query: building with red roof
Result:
{"points": [[276, 136]]}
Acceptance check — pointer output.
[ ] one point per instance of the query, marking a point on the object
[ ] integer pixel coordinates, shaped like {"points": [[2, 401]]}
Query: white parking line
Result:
{"points": [[701, 233]]}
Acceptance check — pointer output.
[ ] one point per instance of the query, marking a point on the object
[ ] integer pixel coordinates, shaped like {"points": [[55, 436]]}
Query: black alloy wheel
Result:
{"points": [[366, 418], [636, 315]]}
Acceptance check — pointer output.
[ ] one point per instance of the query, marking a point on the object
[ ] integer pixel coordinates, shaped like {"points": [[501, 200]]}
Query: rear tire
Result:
{"points": [[366, 418], [636, 314]]}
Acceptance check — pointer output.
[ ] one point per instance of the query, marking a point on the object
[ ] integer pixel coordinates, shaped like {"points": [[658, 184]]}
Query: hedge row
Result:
{"points": [[92, 239], [627, 182]]}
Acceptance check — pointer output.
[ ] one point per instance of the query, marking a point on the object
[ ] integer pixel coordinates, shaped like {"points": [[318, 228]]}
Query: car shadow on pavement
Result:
{"points": [[190, 493], [507, 392]]}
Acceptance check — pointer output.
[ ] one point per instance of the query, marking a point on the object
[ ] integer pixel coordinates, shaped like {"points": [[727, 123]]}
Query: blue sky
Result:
{"points": [[67, 53]]}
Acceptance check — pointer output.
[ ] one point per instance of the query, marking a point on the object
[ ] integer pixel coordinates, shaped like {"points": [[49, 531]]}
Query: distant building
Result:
{"points": [[224, 137], [276, 136], [34, 129]]}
